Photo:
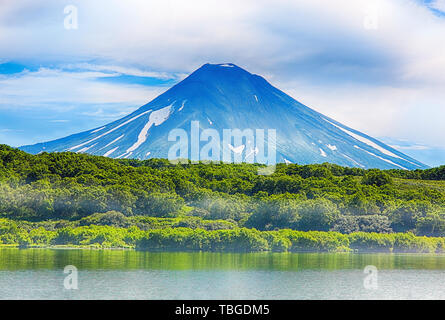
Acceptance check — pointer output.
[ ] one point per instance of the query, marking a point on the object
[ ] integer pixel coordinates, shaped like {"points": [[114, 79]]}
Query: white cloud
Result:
{"points": [[9, 130], [59, 121], [438, 4], [107, 115], [53, 87], [113, 70], [413, 113]]}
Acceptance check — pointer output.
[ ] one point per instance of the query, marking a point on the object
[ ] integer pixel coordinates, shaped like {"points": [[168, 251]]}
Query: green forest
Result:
{"points": [[71, 199]]}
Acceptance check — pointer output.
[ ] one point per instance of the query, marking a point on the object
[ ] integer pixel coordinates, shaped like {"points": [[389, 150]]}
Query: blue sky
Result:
{"points": [[377, 66]]}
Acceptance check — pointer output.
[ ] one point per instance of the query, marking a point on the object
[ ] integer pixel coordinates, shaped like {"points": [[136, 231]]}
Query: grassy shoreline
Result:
{"points": [[100, 248], [226, 240], [58, 247]]}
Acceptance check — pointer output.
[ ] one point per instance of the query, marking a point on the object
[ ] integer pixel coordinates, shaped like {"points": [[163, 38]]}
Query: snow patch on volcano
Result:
{"points": [[86, 148], [97, 130], [106, 154], [381, 158], [115, 140], [109, 131], [182, 106], [237, 150], [366, 141], [156, 118]]}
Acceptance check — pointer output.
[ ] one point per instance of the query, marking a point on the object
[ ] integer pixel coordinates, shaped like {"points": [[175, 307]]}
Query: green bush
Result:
{"points": [[40, 236], [408, 242], [363, 241], [110, 218], [377, 178], [316, 240], [277, 242]]}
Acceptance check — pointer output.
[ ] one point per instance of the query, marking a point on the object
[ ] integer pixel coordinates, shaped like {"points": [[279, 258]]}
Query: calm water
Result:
{"points": [[116, 274]]}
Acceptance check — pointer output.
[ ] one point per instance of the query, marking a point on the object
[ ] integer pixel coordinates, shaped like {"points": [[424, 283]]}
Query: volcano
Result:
{"points": [[225, 96]]}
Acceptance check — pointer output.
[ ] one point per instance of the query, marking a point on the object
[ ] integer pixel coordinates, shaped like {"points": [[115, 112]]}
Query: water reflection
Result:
{"points": [[33, 259]]}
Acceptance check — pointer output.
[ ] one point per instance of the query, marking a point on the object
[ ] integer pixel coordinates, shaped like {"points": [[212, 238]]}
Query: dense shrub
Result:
{"points": [[318, 214], [433, 224], [369, 223], [281, 211], [373, 242], [377, 178], [408, 242], [315, 240], [110, 218]]}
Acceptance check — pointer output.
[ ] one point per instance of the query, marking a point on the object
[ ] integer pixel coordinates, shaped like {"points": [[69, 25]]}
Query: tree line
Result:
{"points": [[321, 197], [235, 240]]}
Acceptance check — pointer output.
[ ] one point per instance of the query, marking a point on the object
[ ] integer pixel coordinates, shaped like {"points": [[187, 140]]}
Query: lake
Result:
{"points": [[127, 274]]}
